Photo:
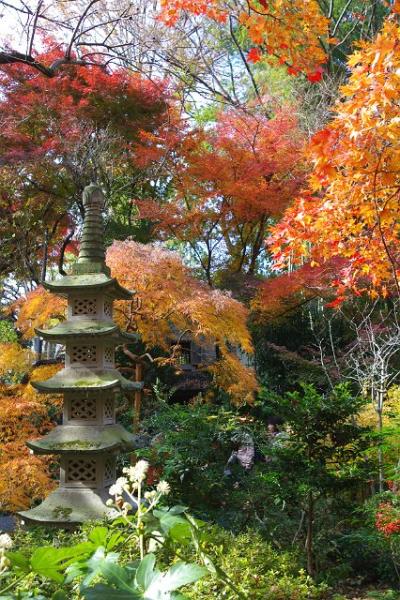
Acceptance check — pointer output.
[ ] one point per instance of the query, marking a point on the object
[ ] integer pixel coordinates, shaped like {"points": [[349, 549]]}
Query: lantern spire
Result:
{"points": [[92, 252]]}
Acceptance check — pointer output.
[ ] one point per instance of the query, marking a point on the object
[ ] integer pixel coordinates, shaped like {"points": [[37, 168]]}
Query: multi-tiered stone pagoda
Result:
{"points": [[89, 439]]}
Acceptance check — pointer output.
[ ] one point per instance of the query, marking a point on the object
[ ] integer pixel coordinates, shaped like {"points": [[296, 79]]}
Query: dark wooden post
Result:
{"points": [[138, 398]]}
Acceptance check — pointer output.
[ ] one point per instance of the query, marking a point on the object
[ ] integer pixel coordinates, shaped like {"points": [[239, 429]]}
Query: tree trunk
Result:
{"points": [[381, 476], [310, 533], [379, 412]]}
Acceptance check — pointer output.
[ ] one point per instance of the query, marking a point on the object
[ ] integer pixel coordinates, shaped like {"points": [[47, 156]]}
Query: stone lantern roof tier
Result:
{"points": [[85, 439], [68, 506], [88, 283], [81, 378], [86, 328]]}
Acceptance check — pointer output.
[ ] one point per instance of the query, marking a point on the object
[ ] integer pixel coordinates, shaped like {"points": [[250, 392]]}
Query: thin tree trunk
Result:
{"points": [[379, 411], [138, 398], [310, 533], [381, 477]]}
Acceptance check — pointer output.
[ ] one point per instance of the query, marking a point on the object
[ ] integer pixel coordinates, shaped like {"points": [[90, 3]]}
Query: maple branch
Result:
{"points": [[242, 56], [34, 27], [379, 221], [80, 21], [13, 56], [64, 245]]}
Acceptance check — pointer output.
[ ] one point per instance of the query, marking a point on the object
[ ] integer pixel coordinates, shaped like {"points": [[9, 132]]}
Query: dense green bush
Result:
{"points": [[258, 570], [191, 447], [245, 563]]}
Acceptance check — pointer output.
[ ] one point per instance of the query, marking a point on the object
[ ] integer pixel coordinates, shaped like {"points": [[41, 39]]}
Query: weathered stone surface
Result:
{"points": [[89, 438], [81, 328], [84, 378], [69, 506], [84, 439]]}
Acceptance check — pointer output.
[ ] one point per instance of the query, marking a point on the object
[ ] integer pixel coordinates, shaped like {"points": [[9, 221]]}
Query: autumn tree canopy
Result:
{"points": [[350, 208], [230, 178], [58, 135]]}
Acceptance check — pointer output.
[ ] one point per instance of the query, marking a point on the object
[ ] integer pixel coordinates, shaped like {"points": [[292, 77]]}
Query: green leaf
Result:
{"points": [[145, 573], [102, 536], [91, 568], [168, 521], [114, 540], [19, 560], [59, 595], [117, 576], [178, 575], [178, 509], [50, 561], [182, 574], [181, 532], [98, 536], [105, 592]]}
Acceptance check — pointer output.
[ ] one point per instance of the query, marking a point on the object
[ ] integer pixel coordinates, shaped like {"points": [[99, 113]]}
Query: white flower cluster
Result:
{"points": [[131, 482], [5, 543], [137, 473], [163, 488], [121, 485]]}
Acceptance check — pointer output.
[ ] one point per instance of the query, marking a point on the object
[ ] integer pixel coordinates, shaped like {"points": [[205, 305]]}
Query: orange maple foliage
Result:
{"points": [[229, 180], [351, 209], [277, 297], [39, 309], [24, 478], [287, 30], [14, 359], [170, 300]]}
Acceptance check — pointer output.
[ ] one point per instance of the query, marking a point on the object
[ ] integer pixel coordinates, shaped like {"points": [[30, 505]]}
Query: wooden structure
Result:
{"points": [[89, 439]]}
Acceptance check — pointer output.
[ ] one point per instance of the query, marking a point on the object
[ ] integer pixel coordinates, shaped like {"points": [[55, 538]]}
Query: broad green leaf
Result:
{"points": [[102, 536], [114, 540], [19, 560], [168, 521], [50, 561], [91, 568], [182, 574], [98, 536], [177, 576], [117, 576], [181, 532], [145, 573], [105, 592], [178, 509]]}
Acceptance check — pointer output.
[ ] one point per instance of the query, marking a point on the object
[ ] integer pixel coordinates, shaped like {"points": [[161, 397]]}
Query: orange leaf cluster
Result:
{"points": [[170, 300], [279, 296], [24, 477], [14, 359], [287, 30], [39, 309], [229, 179], [351, 209]]}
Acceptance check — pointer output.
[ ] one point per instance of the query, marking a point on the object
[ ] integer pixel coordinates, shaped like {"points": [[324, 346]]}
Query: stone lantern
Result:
{"points": [[89, 439]]}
